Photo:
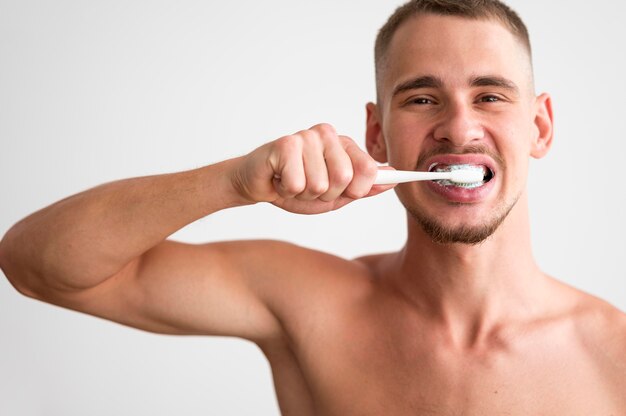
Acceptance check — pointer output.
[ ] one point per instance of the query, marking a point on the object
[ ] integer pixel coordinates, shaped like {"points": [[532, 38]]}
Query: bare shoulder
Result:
{"points": [[595, 339], [602, 329], [292, 277], [605, 321], [309, 291], [290, 262]]}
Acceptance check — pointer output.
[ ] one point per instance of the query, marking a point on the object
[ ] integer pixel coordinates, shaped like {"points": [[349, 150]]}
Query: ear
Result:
{"points": [[544, 127], [374, 140]]}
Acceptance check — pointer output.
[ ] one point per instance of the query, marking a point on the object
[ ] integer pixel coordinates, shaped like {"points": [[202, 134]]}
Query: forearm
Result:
{"points": [[82, 240]]}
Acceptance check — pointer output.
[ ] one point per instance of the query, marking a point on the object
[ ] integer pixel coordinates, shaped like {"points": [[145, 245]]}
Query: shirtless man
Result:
{"points": [[459, 322]]}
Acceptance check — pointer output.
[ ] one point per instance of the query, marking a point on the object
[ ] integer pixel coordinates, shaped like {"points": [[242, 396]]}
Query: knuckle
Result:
{"points": [[350, 193], [309, 137], [325, 130], [365, 166], [343, 176], [347, 141], [294, 187], [355, 193], [318, 187], [288, 144]]}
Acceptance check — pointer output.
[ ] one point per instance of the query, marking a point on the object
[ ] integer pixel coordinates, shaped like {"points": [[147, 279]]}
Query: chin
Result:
{"points": [[470, 234], [465, 228]]}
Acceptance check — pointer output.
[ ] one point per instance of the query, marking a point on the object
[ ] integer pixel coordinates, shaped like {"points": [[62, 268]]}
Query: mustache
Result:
{"points": [[448, 149]]}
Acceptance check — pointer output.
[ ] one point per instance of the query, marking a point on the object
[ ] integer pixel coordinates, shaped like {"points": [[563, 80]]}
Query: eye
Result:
{"points": [[420, 101], [489, 99]]}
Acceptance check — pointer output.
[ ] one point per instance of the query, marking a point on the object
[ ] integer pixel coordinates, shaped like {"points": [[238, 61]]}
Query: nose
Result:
{"points": [[459, 125]]}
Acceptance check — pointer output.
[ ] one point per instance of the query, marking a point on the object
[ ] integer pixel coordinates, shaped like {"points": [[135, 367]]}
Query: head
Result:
{"points": [[469, 9], [455, 86]]}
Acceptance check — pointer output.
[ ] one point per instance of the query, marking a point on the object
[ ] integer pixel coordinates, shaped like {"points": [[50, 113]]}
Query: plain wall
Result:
{"points": [[91, 92]]}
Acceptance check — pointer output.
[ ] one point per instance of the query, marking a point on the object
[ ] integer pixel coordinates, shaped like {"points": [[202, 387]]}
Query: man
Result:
{"points": [[460, 321]]}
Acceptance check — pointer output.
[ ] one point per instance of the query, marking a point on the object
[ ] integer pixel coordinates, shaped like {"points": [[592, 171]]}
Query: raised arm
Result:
{"points": [[104, 251]]}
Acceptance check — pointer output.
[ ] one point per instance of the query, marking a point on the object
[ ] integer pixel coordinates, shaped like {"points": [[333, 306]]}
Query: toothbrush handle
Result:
{"points": [[386, 177]]}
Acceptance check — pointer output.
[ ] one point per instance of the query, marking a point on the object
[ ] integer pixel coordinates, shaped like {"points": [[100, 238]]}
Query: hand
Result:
{"points": [[310, 172]]}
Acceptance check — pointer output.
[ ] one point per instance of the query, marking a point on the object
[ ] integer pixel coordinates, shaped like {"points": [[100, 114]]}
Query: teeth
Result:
{"points": [[440, 167], [446, 182]]}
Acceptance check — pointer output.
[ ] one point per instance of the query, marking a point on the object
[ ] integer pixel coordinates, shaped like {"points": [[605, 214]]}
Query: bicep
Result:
{"points": [[178, 288]]}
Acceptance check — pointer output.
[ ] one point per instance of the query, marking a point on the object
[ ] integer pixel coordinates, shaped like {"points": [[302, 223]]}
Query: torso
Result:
{"points": [[356, 348]]}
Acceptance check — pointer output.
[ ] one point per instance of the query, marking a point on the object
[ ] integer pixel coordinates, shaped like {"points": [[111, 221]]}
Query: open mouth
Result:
{"points": [[487, 173]]}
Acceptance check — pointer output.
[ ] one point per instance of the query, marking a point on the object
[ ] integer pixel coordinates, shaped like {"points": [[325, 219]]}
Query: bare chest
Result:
{"points": [[368, 368]]}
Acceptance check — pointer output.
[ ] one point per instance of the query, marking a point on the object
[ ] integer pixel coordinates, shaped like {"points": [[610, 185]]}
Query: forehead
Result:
{"points": [[454, 49]]}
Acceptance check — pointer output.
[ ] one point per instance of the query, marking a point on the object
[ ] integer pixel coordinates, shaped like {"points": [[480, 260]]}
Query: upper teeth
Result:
{"points": [[441, 167]]}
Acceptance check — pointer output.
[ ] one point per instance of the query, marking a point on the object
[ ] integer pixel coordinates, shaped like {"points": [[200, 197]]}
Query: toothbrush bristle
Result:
{"points": [[468, 175]]}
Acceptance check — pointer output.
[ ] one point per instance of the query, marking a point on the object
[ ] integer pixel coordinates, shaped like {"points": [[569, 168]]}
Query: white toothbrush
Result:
{"points": [[386, 177]]}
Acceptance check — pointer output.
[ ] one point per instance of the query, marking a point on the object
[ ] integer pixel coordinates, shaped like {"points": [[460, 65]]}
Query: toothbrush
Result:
{"points": [[386, 177]]}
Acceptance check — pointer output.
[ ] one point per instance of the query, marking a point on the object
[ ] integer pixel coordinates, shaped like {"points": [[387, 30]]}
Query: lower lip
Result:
{"points": [[462, 195]]}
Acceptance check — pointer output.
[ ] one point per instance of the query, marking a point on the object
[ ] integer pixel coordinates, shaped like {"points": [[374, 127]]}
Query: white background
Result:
{"points": [[93, 91]]}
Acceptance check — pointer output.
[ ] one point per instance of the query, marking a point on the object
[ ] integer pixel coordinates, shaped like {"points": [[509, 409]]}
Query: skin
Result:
{"points": [[434, 329]]}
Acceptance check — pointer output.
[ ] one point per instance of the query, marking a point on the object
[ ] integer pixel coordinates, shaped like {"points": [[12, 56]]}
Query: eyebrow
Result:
{"points": [[429, 81], [494, 81]]}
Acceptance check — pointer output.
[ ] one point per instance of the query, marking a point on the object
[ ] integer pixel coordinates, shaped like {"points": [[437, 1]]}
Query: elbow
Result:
{"points": [[17, 277], [24, 271]]}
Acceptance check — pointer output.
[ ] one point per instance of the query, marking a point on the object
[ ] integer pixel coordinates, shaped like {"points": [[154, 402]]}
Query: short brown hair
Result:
{"points": [[470, 9]]}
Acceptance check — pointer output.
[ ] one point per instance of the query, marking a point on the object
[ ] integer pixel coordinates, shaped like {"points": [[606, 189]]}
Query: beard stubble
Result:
{"points": [[464, 234]]}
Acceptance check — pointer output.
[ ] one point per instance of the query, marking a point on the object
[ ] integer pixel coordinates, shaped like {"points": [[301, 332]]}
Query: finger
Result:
{"points": [[379, 189], [340, 172], [324, 130], [365, 170], [289, 178], [314, 166]]}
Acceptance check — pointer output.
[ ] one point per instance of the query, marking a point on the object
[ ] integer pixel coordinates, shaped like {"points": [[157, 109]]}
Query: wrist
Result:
{"points": [[221, 186]]}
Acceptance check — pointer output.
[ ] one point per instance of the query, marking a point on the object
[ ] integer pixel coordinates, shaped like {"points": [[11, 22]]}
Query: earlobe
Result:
{"points": [[374, 139], [544, 126]]}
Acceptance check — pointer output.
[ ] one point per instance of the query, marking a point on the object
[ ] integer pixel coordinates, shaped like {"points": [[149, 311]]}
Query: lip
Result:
{"points": [[458, 194]]}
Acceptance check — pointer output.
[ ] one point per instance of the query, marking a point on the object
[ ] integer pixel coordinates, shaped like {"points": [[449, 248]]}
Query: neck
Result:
{"points": [[470, 289]]}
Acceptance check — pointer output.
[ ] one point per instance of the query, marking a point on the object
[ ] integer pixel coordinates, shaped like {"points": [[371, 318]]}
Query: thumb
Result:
{"points": [[379, 189]]}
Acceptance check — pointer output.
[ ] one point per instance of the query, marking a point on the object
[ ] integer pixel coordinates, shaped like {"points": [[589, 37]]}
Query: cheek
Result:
{"points": [[516, 155], [513, 137], [403, 154], [404, 143]]}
